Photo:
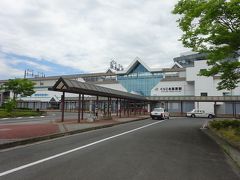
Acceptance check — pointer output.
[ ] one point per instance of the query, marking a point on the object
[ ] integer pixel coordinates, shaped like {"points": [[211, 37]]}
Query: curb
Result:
{"points": [[232, 152], [57, 135]]}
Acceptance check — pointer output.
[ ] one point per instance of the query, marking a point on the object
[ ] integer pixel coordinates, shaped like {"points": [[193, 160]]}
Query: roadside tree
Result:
{"points": [[213, 27], [19, 87]]}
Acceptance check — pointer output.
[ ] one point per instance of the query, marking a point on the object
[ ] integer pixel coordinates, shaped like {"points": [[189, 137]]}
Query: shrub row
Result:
{"points": [[223, 124], [4, 114]]}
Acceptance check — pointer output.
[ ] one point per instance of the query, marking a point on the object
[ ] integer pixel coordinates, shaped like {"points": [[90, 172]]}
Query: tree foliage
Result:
{"points": [[10, 105], [213, 27], [22, 87]]}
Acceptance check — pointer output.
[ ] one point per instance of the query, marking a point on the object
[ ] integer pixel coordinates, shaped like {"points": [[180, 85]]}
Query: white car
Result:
{"points": [[159, 113], [200, 113]]}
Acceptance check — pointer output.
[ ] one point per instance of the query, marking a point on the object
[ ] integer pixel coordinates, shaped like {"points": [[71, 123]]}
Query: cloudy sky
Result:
{"points": [[76, 36]]}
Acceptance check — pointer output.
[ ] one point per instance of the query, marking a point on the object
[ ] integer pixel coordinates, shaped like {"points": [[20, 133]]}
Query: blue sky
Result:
{"points": [[38, 66], [71, 36]]}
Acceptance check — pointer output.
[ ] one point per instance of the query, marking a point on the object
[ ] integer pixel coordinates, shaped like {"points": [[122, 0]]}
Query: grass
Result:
{"points": [[228, 130], [18, 113]]}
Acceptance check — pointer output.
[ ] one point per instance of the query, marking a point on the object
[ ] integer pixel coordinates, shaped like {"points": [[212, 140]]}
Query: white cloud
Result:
{"points": [[7, 71], [86, 34], [31, 63]]}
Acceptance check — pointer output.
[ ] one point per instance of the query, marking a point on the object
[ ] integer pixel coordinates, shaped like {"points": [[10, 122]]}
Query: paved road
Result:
{"points": [[50, 116], [149, 150]]}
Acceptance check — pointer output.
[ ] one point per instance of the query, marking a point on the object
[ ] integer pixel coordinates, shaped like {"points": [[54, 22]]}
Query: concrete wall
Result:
{"points": [[203, 84]]}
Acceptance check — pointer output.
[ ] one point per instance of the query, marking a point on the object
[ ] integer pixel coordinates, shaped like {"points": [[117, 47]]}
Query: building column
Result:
{"points": [[63, 105], [110, 107], [148, 107], [120, 108], [96, 108], [215, 108], [82, 106], [167, 106], [233, 109], [124, 107], [117, 107], [135, 109], [181, 108], [79, 104], [128, 108]]}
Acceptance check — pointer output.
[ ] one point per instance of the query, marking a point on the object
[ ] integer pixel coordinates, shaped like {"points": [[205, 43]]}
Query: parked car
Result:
{"points": [[200, 113], [159, 113]]}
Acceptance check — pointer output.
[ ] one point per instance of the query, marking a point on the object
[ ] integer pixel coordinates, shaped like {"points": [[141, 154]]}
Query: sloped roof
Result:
{"points": [[77, 87], [133, 64], [176, 64]]}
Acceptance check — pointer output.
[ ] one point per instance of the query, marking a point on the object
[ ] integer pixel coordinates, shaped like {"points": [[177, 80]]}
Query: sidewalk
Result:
{"points": [[17, 134]]}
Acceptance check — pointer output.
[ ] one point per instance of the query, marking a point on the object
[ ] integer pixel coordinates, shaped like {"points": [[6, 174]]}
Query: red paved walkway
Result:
{"points": [[27, 130]]}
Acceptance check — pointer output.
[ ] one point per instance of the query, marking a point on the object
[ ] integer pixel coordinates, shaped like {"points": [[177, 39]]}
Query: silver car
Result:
{"points": [[159, 113], [200, 113]]}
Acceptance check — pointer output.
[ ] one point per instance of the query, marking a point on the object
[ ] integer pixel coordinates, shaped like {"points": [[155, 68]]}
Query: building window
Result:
{"points": [[204, 94], [41, 83], [180, 88]]}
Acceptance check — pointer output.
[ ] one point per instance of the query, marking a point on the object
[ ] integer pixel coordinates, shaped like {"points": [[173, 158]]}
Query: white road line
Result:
{"points": [[4, 118], [31, 117], [42, 116], [73, 150], [19, 118]]}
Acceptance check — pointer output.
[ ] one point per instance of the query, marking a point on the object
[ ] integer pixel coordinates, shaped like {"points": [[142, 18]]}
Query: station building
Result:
{"points": [[179, 80]]}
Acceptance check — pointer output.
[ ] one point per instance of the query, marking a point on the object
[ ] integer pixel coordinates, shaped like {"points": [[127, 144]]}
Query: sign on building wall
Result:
{"points": [[169, 89]]}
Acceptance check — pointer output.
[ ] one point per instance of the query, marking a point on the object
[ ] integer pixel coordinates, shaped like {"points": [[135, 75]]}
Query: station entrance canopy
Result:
{"points": [[77, 87]]}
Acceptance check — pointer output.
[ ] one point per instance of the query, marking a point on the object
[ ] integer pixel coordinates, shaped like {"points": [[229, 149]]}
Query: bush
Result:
{"points": [[4, 114], [237, 131], [225, 124], [10, 105]]}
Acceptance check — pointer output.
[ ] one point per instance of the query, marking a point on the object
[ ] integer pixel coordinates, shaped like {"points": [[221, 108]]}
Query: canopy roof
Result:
{"points": [[77, 87]]}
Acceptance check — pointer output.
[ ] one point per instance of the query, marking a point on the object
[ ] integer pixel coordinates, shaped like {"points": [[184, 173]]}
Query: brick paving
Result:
{"points": [[23, 131], [16, 132]]}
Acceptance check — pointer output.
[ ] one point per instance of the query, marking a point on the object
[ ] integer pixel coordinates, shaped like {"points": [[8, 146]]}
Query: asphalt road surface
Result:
{"points": [[50, 116], [174, 149]]}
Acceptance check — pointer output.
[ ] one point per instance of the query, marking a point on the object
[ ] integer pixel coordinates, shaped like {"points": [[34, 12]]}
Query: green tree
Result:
{"points": [[22, 87], [10, 105], [213, 27]]}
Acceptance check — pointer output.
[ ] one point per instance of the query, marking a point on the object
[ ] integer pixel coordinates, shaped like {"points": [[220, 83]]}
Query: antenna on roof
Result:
{"points": [[29, 73], [115, 66]]}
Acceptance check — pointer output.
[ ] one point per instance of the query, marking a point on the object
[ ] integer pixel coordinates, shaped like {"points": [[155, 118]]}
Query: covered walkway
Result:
{"points": [[126, 103]]}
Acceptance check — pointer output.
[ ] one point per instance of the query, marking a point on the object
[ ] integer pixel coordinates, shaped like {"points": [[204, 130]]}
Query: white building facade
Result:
{"points": [[181, 79]]}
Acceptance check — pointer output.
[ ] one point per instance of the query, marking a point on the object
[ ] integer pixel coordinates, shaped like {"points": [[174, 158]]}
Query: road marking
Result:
{"points": [[73, 150], [42, 116], [4, 118], [19, 118], [31, 117]]}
